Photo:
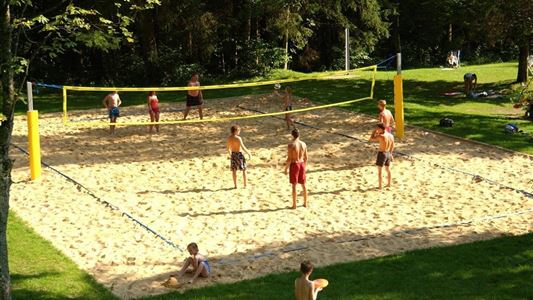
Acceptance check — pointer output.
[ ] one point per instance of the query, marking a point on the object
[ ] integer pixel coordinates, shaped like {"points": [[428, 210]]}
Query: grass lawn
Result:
{"points": [[479, 119], [39, 271], [497, 269]]}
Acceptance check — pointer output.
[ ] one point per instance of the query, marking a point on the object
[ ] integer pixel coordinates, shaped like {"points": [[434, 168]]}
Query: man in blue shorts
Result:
{"points": [[112, 102]]}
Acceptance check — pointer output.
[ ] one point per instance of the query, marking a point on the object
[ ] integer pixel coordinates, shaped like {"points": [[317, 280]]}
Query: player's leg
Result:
{"points": [[234, 175], [380, 180], [293, 195], [387, 169], [152, 119], [186, 112], [305, 194], [157, 114], [201, 112], [244, 177]]}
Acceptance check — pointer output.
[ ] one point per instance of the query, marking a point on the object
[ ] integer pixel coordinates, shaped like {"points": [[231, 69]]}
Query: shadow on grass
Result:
{"points": [[495, 269]]}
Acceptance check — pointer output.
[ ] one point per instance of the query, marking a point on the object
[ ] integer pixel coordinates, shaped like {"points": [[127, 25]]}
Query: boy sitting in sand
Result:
{"points": [[386, 146], [305, 289], [196, 264], [297, 162], [237, 160], [385, 116], [112, 102]]}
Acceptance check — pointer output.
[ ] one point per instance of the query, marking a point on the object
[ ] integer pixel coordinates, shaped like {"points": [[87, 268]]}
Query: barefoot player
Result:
{"points": [[112, 102], [296, 162], [237, 160], [153, 110], [386, 147], [288, 107], [385, 116], [194, 97]]}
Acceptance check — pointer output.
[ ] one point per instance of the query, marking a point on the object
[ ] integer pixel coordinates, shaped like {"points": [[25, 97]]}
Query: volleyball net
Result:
{"points": [[359, 81]]}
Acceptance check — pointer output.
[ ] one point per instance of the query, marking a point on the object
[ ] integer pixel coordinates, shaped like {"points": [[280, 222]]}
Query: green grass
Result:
{"points": [[497, 269], [39, 271], [478, 119]]}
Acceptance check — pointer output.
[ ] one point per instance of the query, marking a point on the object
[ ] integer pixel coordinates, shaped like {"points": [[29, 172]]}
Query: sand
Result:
{"points": [[178, 183]]}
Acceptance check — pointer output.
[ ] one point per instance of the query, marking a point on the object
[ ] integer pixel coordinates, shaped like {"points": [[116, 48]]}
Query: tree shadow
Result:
{"points": [[438, 273]]}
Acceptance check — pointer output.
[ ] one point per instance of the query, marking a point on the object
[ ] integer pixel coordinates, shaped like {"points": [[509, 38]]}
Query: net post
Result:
{"points": [[65, 118], [398, 98], [347, 49], [34, 144]]}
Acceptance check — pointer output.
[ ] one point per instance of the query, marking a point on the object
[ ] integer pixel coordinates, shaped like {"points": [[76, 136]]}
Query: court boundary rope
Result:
{"points": [[104, 202], [474, 176]]}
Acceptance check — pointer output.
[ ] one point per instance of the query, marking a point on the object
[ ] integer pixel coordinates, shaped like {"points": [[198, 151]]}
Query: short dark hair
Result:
{"points": [[235, 128], [306, 267], [295, 132], [380, 126], [193, 246], [151, 93]]}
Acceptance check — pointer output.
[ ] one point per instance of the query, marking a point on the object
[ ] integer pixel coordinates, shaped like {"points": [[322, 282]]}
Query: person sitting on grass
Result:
{"points": [[305, 289], [196, 264]]}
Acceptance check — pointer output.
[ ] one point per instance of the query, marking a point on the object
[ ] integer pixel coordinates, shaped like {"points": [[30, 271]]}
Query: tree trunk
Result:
{"points": [[8, 103], [286, 65], [450, 33], [522, 75], [147, 31]]}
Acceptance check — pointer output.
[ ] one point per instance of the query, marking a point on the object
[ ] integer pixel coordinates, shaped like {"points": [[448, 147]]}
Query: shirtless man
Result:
{"points": [[386, 147], [385, 116], [305, 289], [194, 97], [297, 162], [288, 107], [237, 160], [112, 102]]}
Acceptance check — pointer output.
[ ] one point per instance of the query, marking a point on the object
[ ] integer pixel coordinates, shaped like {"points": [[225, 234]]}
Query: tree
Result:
{"points": [[61, 25], [512, 22]]}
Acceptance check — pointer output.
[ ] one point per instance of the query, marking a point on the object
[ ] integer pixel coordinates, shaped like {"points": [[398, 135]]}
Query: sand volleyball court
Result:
{"points": [[178, 183]]}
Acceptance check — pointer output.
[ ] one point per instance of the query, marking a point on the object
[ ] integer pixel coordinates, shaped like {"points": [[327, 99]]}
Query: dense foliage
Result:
{"points": [[241, 38]]}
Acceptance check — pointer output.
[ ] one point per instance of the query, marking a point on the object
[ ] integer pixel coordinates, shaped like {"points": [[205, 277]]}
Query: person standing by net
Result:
{"points": [[385, 116], [384, 156], [296, 164], [288, 107], [153, 110], [112, 102], [194, 97]]}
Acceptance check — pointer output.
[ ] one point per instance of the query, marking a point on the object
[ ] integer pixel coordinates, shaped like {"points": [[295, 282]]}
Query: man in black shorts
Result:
{"points": [[386, 146], [194, 97]]}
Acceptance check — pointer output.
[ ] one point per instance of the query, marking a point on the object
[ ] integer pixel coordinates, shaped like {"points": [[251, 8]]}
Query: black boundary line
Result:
{"points": [[104, 202]]}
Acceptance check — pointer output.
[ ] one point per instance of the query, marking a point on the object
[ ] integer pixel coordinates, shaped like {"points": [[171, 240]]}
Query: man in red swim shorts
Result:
{"points": [[296, 163]]}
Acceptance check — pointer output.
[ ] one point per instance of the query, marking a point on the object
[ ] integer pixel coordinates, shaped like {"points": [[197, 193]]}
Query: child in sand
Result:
{"points": [[112, 102], [305, 289], [288, 107], [153, 110], [237, 160], [199, 266], [385, 116], [297, 163], [386, 146]]}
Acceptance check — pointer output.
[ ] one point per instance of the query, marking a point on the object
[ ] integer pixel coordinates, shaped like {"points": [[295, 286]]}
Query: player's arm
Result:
{"points": [[392, 150], [288, 161], [119, 102], [382, 117], [244, 148], [228, 147], [374, 136], [305, 154], [149, 104], [105, 102]]}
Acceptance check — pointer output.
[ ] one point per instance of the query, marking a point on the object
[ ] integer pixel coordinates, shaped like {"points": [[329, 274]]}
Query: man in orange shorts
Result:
{"points": [[295, 164]]}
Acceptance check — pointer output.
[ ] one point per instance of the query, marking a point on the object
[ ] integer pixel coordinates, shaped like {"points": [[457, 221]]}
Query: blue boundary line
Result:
{"points": [[474, 176], [104, 202], [46, 85]]}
